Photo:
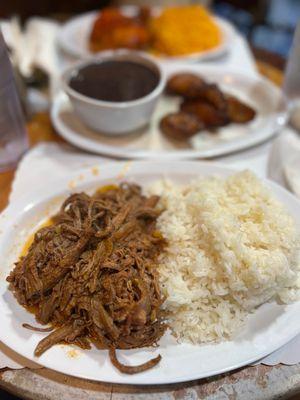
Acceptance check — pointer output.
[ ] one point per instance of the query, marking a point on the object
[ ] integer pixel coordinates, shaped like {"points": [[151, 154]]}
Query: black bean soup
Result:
{"points": [[115, 81]]}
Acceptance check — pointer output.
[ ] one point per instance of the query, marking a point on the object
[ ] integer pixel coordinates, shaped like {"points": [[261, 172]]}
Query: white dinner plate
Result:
{"points": [[149, 143], [73, 37], [270, 327]]}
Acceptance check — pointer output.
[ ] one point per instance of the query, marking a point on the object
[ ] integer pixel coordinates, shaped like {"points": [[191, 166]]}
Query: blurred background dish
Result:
{"points": [[215, 36], [149, 142]]}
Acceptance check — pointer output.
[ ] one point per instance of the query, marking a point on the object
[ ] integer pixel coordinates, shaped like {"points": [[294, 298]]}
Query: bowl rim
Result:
{"points": [[128, 55]]}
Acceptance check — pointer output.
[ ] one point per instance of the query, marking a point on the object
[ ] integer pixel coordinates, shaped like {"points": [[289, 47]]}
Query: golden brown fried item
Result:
{"points": [[213, 95], [206, 103], [205, 113], [132, 36], [113, 30], [187, 85], [144, 14], [239, 112], [180, 125]]}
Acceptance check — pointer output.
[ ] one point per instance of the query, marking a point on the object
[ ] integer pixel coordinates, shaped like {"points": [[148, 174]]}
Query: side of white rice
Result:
{"points": [[231, 247]]}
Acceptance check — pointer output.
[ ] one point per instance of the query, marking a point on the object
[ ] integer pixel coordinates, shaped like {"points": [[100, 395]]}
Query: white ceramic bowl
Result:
{"points": [[115, 118]]}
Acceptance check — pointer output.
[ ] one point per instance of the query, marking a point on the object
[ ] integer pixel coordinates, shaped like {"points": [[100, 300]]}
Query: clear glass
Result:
{"points": [[291, 84], [13, 135]]}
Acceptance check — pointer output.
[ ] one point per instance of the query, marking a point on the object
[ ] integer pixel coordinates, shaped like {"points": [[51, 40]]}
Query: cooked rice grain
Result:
{"points": [[232, 246]]}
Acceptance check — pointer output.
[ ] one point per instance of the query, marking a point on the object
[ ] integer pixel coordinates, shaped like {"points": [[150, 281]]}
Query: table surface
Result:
{"points": [[257, 382]]}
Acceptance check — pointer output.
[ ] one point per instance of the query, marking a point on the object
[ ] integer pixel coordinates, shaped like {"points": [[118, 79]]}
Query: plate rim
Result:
{"points": [[223, 170]]}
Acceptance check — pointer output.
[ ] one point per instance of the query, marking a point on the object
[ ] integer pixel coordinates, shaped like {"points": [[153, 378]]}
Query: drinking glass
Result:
{"points": [[291, 84], [13, 135]]}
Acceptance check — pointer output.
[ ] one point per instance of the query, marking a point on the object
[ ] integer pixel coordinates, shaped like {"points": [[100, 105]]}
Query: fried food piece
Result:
{"points": [[188, 85], [213, 95], [144, 14], [205, 113], [133, 36], [180, 125], [239, 112], [107, 20], [191, 86], [113, 30]]}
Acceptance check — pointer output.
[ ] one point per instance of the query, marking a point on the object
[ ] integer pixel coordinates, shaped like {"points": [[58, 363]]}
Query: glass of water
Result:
{"points": [[13, 135], [291, 84]]}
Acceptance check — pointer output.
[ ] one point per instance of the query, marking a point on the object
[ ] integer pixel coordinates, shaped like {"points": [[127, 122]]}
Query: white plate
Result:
{"points": [[73, 37], [149, 143], [270, 327]]}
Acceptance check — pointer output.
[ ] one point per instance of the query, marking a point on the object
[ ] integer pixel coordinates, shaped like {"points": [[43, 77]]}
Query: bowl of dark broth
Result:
{"points": [[115, 92]]}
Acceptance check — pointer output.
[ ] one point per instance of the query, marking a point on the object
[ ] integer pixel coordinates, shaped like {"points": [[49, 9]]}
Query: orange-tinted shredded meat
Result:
{"points": [[92, 274]]}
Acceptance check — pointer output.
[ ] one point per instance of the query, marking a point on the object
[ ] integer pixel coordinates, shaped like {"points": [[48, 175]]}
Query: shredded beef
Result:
{"points": [[92, 273]]}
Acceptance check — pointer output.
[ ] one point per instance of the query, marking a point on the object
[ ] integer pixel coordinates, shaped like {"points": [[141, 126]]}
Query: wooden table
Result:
{"points": [[257, 382]]}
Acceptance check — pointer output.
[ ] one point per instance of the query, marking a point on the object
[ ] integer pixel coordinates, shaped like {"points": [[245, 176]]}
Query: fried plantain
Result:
{"points": [[239, 112], [180, 125], [186, 85], [204, 101], [214, 96], [205, 113]]}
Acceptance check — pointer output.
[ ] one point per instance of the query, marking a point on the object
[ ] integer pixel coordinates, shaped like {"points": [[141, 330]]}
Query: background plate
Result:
{"points": [[270, 327], [149, 143], [74, 35]]}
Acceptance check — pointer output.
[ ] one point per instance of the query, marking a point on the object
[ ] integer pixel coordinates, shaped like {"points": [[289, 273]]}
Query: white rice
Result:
{"points": [[231, 247]]}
